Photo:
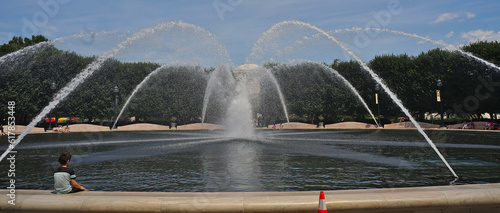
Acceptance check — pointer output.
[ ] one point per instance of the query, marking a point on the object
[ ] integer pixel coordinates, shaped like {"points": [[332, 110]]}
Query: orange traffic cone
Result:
{"points": [[322, 204]]}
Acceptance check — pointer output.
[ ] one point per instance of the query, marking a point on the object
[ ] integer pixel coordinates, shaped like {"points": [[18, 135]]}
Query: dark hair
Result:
{"points": [[64, 158]]}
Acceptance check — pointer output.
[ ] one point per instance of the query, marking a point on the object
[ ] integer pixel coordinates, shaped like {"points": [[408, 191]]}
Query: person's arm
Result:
{"points": [[76, 185]]}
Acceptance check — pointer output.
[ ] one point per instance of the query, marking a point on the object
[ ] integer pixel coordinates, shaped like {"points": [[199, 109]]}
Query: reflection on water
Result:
{"points": [[274, 161], [231, 167]]}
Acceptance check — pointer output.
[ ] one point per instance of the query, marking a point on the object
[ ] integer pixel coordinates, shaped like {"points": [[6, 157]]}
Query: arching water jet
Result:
{"points": [[269, 34], [349, 85], [221, 76], [34, 47], [91, 68], [140, 85], [412, 35], [280, 93]]}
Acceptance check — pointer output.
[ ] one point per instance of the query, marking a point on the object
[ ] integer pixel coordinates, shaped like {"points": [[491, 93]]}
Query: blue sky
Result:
{"points": [[238, 24]]}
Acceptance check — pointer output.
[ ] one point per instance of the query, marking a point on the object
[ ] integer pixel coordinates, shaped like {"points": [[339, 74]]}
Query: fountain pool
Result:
{"points": [[280, 160]]}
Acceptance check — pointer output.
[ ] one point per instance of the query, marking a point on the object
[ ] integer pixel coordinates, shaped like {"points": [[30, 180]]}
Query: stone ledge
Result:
{"points": [[208, 126], [350, 125], [482, 198]]}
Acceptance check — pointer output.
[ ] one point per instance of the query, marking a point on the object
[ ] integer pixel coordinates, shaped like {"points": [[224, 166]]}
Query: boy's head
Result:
{"points": [[64, 158]]}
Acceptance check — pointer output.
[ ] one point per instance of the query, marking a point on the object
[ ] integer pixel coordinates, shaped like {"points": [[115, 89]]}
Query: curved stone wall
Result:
{"points": [[484, 198]]}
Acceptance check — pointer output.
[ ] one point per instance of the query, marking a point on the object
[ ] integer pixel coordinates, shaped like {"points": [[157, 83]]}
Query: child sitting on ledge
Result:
{"points": [[64, 177]]}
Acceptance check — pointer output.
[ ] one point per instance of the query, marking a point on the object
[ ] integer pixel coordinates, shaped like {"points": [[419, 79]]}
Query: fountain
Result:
{"points": [[278, 160], [278, 28], [247, 76], [90, 69], [220, 80]]}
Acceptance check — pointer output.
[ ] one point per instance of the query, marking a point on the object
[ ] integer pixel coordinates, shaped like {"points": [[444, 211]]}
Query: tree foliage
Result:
{"points": [[489, 51], [174, 92], [17, 43], [468, 85], [310, 90], [469, 88]]}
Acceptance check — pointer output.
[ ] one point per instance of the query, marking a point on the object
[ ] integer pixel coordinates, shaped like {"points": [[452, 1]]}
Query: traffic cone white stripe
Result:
{"points": [[322, 204]]}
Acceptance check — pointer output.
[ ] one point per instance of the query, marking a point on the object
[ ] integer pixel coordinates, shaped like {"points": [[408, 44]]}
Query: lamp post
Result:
{"points": [[53, 88], [438, 96], [115, 89], [377, 89]]}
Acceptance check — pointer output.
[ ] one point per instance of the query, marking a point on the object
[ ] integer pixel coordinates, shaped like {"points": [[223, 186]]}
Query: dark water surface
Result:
{"points": [[284, 160]]}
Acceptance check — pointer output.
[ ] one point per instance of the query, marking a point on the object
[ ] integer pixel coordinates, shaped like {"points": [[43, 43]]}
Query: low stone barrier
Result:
{"points": [[478, 125], [350, 125], [294, 125], [143, 127], [408, 124], [483, 198], [208, 126], [198, 126]]}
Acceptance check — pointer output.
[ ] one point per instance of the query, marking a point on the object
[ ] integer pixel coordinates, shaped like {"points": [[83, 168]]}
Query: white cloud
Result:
{"points": [[450, 34], [481, 35], [470, 15], [445, 17]]}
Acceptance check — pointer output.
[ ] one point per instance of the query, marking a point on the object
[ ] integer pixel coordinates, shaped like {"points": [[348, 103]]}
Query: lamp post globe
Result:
{"points": [[115, 89], [439, 84]]}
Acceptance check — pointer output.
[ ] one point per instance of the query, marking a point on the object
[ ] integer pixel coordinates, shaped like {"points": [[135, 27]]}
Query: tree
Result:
{"points": [[310, 90], [489, 51], [470, 87], [17, 43], [30, 76], [364, 84], [174, 91]]}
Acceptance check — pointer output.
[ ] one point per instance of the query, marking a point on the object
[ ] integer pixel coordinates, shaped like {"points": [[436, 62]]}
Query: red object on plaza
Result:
{"points": [[322, 204], [66, 119]]}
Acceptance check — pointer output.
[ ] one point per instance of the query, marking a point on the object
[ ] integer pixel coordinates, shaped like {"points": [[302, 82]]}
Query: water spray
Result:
{"points": [[277, 28]]}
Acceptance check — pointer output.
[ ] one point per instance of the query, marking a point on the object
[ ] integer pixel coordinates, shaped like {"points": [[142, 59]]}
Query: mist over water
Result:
{"points": [[239, 118]]}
